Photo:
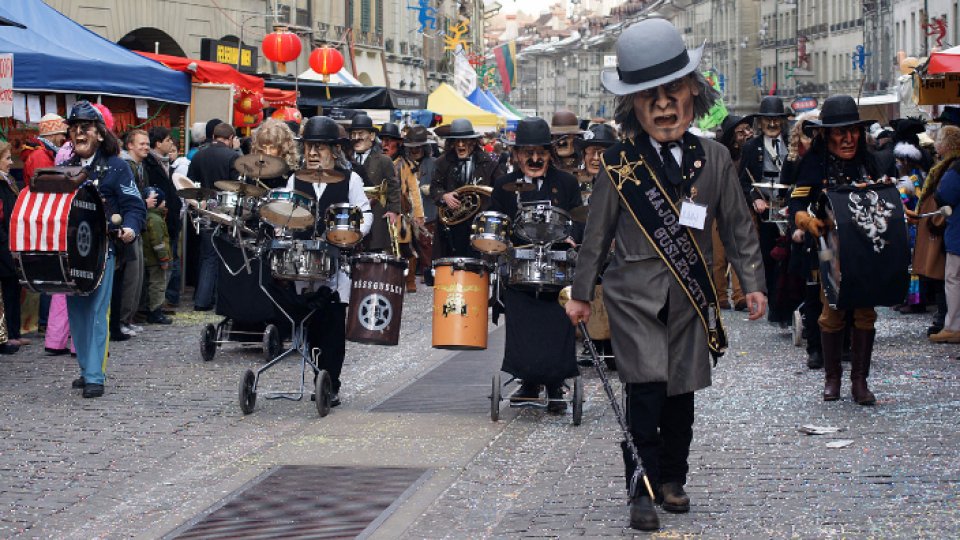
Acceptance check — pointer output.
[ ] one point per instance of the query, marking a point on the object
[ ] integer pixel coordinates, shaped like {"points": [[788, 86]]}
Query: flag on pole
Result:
{"points": [[506, 55]]}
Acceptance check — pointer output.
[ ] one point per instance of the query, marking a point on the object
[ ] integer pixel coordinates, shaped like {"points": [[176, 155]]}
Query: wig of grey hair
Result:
{"points": [[626, 116]]}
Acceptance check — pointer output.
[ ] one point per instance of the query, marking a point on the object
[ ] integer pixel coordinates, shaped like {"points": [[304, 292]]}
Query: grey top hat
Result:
{"points": [[532, 131], [772, 106], [362, 121], [837, 111], [649, 53], [461, 128]]}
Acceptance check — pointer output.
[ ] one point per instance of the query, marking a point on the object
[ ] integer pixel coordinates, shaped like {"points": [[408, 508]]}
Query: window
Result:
{"points": [[364, 15], [378, 20], [348, 15]]}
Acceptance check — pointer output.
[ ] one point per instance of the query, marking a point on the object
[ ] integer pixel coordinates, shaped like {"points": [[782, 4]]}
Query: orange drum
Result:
{"points": [[461, 290]]}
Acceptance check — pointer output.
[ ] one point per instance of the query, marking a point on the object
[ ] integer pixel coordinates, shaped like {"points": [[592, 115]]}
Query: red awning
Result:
{"points": [[209, 72], [277, 98], [947, 61]]}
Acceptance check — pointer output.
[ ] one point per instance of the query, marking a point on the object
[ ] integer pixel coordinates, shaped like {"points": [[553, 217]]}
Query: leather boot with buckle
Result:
{"points": [[832, 345], [862, 349], [675, 499]]}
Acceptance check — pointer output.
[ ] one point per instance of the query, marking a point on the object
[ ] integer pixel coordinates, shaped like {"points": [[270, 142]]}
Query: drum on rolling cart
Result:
{"points": [[59, 239], [302, 260], [289, 209], [376, 298], [461, 289], [490, 233], [343, 222]]}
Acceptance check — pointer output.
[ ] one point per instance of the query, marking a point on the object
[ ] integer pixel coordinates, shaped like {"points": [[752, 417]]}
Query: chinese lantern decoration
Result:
{"points": [[286, 114], [281, 46], [248, 102], [247, 120], [326, 61]]}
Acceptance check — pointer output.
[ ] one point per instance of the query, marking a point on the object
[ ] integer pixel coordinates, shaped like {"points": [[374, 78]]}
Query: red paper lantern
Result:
{"points": [[286, 114], [281, 47], [246, 120], [326, 61], [248, 102]]}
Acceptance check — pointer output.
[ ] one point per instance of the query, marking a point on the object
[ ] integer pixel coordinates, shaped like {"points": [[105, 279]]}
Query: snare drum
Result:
{"points": [[287, 208], [491, 233], [376, 298], [302, 260], [542, 223], [539, 269], [461, 290], [343, 225], [232, 203], [59, 240]]}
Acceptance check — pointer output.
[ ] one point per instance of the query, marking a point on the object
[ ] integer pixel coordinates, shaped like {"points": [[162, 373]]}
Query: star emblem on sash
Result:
{"points": [[625, 169]]}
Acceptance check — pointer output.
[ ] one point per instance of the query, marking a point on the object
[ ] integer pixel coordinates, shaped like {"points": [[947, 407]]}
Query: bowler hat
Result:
{"points": [[649, 53], [772, 106], [321, 129], [564, 123], [949, 115], [729, 126], [461, 128], [598, 135], [390, 130], [532, 131], [837, 111], [83, 111], [416, 136], [362, 121]]}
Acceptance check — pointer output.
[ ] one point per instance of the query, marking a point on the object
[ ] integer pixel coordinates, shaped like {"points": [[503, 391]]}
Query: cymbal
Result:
{"points": [[518, 187], [242, 188], [320, 176], [260, 166], [197, 193], [579, 214], [770, 185]]}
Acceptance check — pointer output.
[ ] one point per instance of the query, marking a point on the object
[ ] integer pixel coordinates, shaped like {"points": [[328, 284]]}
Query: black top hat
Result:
{"points": [[598, 135], [950, 115], [83, 111], [772, 106], [362, 121], [837, 111], [461, 128], [321, 129], [729, 127], [532, 131], [390, 130], [416, 136]]}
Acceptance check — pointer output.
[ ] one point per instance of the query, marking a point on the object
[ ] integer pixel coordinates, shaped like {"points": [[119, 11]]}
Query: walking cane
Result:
{"points": [[638, 472]]}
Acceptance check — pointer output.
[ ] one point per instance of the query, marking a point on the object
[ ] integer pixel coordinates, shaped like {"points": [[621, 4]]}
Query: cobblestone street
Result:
{"points": [[168, 441]]}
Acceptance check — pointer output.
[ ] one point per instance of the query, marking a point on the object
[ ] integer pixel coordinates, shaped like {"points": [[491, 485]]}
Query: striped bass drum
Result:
{"points": [[59, 240]]}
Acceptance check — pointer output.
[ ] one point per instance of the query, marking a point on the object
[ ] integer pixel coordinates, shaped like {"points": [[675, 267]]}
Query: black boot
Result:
{"points": [[832, 345], [675, 499], [862, 345], [815, 359], [643, 515]]}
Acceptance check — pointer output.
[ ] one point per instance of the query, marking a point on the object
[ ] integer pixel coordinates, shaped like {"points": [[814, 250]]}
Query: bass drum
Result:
{"points": [[59, 240], [865, 254], [461, 292], [376, 298]]}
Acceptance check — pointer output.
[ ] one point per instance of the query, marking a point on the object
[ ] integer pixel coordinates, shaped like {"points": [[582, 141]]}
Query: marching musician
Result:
{"points": [[565, 131], [377, 169], [407, 163], [275, 138], [327, 328], [838, 157], [98, 151], [660, 300], [540, 346], [462, 163]]}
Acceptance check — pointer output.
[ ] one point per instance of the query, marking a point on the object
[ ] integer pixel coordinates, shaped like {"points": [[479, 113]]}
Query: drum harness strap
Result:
{"points": [[658, 218]]}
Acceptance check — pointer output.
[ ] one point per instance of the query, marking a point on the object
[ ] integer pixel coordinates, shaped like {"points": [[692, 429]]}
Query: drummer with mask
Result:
{"points": [[327, 179], [540, 342]]}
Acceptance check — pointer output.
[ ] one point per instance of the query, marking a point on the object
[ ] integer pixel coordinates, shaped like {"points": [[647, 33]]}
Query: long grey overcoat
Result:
{"points": [[657, 335]]}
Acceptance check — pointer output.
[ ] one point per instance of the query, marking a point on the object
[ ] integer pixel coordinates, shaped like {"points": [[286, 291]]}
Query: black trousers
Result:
{"points": [[662, 429], [327, 331], [11, 305], [810, 313]]}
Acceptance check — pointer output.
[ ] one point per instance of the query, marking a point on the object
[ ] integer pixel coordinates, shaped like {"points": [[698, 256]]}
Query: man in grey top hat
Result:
{"points": [[657, 195]]}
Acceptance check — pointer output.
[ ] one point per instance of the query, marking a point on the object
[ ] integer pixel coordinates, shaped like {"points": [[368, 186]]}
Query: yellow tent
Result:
{"points": [[451, 105]]}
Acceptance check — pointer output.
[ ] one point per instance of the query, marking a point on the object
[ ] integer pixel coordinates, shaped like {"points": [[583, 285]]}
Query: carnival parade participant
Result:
{"points": [[735, 132], [463, 163], [420, 150], [662, 340], [274, 138], [97, 150], [837, 157], [540, 346], [41, 151], [377, 170], [9, 283], [407, 163], [326, 330], [564, 131]]}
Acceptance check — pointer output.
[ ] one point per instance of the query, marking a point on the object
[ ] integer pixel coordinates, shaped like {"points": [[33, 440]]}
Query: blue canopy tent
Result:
{"points": [[479, 98], [55, 54], [499, 105]]}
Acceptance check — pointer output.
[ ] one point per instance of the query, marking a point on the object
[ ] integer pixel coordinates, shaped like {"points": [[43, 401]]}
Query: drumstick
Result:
{"points": [[942, 211], [116, 219]]}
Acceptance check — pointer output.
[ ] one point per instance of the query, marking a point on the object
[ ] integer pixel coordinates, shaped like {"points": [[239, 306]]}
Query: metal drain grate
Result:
{"points": [[301, 502], [460, 385]]}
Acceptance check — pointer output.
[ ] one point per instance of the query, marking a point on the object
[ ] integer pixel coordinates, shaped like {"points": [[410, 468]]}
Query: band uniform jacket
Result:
{"points": [[377, 167], [409, 174], [655, 330], [751, 166], [445, 179]]}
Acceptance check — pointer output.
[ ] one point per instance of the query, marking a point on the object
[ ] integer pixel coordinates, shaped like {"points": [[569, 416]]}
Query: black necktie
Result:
{"points": [[776, 153], [670, 166]]}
